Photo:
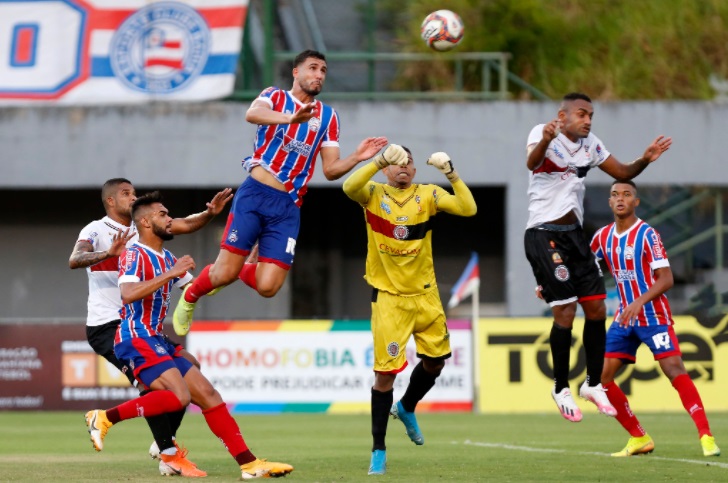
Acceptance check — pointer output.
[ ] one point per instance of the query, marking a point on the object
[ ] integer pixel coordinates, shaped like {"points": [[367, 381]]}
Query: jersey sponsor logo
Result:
{"points": [[129, 259], [629, 252], [393, 349], [398, 251], [297, 147], [625, 275], [160, 48], [400, 232], [657, 250], [402, 218], [561, 273], [579, 171], [557, 152], [661, 340]]}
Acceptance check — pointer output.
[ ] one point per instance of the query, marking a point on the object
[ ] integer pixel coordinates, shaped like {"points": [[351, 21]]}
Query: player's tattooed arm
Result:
{"points": [[196, 221], [83, 254]]}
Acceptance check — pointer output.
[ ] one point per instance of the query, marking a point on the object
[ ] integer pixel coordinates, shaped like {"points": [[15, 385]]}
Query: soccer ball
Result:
{"points": [[442, 30]]}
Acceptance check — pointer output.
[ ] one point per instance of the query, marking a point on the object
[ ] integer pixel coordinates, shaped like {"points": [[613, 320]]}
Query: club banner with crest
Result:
{"points": [[118, 51]]}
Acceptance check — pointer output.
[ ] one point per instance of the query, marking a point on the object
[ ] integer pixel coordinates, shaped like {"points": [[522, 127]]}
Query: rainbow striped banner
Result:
{"points": [[318, 366]]}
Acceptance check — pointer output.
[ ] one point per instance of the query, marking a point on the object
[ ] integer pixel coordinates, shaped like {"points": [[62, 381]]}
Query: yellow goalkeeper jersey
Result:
{"points": [[399, 231]]}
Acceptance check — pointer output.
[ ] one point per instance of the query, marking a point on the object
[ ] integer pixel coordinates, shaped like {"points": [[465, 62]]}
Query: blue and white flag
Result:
{"points": [[467, 284]]}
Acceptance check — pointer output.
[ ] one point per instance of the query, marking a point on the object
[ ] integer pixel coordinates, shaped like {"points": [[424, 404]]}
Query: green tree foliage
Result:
{"points": [[611, 49]]}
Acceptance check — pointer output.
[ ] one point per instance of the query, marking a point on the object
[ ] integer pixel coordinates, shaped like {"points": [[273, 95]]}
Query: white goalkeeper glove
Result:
{"points": [[442, 162], [393, 154]]}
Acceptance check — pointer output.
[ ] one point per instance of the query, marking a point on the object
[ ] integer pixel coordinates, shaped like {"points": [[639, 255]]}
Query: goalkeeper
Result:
{"points": [[399, 267]]}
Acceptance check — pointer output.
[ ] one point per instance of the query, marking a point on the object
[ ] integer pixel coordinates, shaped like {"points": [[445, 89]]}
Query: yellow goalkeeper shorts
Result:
{"points": [[396, 318]]}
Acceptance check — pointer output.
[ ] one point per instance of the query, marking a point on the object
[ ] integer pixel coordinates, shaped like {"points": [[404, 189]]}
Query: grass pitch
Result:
{"points": [[54, 446]]}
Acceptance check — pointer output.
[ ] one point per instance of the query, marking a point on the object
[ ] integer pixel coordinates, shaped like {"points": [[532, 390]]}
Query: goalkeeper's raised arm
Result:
{"points": [[461, 202]]}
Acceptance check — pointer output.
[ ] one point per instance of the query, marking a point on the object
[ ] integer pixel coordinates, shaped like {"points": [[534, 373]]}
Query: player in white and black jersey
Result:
{"points": [[560, 153], [97, 249]]}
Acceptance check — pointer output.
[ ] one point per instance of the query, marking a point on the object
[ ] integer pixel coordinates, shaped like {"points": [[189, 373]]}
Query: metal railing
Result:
{"points": [[716, 233], [493, 67]]}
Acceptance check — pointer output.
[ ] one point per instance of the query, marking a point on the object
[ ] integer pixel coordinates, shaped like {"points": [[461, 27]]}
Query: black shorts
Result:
{"points": [[101, 339], [563, 264]]}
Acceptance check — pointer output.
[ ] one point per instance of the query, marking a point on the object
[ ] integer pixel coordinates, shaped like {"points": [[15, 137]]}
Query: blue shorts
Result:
{"points": [[266, 215], [149, 357], [622, 342]]}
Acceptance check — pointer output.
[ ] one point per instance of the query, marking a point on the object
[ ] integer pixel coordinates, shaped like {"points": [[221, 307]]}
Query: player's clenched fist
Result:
{"points": [[443, 162], [394, 154]]}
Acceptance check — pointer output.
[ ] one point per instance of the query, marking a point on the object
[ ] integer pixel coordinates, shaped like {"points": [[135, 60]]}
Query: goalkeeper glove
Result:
{"points": [[442, 162], [394, 154]]}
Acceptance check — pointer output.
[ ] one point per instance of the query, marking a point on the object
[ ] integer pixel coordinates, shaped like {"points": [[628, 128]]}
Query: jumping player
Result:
{"points": [[559, 155], [147, 273], [97, 249], [293, 128], [399, 267], [633, 252]]}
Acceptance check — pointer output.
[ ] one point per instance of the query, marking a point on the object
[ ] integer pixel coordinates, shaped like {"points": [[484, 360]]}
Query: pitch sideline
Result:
{"points": [[467, 442]]}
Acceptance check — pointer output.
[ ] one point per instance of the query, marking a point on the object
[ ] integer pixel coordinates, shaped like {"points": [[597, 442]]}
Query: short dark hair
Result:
{"points": [[301, 58], [407, 149], [110, 185], [573, 96], [625, 181], [144, 200]]}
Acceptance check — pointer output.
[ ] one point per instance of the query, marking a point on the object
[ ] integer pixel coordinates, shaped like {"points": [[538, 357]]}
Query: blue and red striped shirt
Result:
{"points": [[289, 151], [145, 317], [632, 257]]}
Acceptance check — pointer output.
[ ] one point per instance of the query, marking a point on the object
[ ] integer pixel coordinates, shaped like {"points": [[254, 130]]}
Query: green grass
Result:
{"points": [[54, 446]]}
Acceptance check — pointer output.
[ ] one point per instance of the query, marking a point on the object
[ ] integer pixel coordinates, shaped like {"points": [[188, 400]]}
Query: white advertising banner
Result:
{"points": [[118, 51], [321, 366]]}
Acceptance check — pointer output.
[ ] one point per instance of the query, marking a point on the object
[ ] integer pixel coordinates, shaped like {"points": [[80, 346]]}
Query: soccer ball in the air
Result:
{"points": [[442, 30]]}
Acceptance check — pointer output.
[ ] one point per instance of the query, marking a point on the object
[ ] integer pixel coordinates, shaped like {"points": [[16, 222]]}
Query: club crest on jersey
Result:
{"points": [[393, 349], [556, 257], [233, 236], [629, 252], [561, 273], [314, 124], [161, 48], [385, 207], [400, 232]]}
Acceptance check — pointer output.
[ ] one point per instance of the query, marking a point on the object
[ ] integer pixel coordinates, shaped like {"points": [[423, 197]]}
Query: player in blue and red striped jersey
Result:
{"points": [[633, 252], [293, 130], [98, 248], [147, 272]]}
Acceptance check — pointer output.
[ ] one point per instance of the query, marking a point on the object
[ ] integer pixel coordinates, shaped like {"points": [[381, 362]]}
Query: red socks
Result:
{"points": [[226, 429], [247, 275], [200, 287], [624, 414], [153, 403], [692, 403]]}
